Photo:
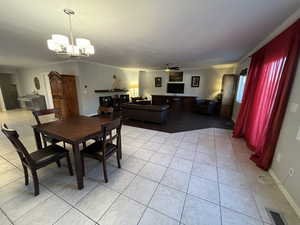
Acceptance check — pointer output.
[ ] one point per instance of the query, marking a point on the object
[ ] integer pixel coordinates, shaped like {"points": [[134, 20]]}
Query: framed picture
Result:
{"points": [[158, 82], [195, 81], [175, 76]]}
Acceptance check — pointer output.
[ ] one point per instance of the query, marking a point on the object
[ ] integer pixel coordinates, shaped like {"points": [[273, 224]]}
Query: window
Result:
{"points": [[240, 90]]}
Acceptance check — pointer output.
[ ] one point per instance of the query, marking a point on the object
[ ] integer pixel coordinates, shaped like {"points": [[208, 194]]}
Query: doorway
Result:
{"points": [[10, 96]]}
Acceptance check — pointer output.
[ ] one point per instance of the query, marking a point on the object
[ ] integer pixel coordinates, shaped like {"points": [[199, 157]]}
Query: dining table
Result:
{"points": [[74, 131]]}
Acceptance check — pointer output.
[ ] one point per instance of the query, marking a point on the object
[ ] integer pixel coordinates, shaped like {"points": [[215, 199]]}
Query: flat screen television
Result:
{"points": [[175, 88]]}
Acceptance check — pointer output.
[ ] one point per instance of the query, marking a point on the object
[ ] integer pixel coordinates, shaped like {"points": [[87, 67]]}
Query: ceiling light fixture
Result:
{"points": [[60, 43]]}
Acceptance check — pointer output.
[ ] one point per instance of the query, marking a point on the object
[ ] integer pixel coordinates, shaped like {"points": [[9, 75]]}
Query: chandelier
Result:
{"points": [[63, 45]]}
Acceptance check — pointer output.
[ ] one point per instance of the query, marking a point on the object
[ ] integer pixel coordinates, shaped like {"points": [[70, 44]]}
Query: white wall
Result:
{"points": [[210, 82], [93, 75], [96, 77], [288, 147], [26, 76]]}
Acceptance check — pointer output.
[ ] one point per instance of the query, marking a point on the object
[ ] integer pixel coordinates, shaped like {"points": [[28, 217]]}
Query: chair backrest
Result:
{"points": [[108, 128], [106, 101], [13, 137], [124, 98], [44, 112]]}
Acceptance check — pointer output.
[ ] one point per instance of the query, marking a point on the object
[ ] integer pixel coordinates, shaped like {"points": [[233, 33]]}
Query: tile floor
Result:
{"points": [[200, 177]]}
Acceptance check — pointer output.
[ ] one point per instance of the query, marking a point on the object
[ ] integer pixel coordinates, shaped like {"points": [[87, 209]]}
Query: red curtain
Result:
{"points": [[270, 79]]}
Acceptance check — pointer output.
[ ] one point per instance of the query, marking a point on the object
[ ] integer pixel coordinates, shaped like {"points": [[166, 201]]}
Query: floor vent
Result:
{"points": [[276, 217]]}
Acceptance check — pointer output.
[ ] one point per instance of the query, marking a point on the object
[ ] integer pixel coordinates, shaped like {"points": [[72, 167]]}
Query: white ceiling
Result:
{"points": [[141, 33]]}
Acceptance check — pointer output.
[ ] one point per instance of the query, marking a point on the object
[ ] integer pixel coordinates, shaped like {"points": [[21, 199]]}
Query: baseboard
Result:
{"points": [[285, 193], [90, 115]]}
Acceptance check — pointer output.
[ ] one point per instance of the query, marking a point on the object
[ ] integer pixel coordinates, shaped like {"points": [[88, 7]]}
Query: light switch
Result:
{"points": [[293, 107], [298, 135]]}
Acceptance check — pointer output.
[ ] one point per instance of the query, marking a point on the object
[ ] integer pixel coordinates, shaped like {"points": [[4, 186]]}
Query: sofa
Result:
{"points": [[147, 113], [205, 106]]}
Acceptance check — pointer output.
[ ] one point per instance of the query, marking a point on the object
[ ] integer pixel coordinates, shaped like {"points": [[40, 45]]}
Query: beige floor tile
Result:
{"points": [[74, 217], [168, 201], [10, 176], [153, 171], [119, 180], [204, 189], [4, 220], [197, 211], [162, 159], [133, 164], [230, 217], [141, 190], [124, 211], [181, 164], [176, 179], [206, 171], [45, 213], [24, 202], [95, 203], [152, 217], [240, 200]]}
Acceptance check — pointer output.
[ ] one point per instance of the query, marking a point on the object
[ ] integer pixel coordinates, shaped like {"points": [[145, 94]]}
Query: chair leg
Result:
{"points": [[35, 182], [69, 164], [104, 170], [45, 143], [26, 175], [83, 166], [118, 158], [58, 163]]}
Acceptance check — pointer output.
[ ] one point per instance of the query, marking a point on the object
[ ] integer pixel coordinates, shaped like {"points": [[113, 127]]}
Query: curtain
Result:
{"points": [[264, 103]]}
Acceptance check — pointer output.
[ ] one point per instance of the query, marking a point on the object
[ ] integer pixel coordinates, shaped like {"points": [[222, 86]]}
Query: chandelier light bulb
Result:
{"points": [[64, 45]]}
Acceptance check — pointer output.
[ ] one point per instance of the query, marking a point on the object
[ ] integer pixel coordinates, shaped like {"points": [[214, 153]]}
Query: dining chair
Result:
{"points": [[38, 159], [103, 149], [38, 114]]}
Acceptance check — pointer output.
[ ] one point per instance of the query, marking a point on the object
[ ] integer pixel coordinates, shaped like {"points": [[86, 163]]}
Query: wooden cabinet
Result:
{"points": [[64, 94], [229, 87]]}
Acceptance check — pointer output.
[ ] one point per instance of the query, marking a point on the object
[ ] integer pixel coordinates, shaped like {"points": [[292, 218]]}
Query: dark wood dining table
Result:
{"points": [[74, 130]]}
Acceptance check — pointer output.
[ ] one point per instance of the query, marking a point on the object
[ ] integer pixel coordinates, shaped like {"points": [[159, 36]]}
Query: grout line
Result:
{"points": [[190, 176], [219, 187], [3, 212], [137, 174], [159, 183]]}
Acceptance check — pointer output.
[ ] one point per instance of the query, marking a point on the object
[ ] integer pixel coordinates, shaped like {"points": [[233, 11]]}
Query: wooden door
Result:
{"points": [[70, 93], [64, 94], [229, 85]]}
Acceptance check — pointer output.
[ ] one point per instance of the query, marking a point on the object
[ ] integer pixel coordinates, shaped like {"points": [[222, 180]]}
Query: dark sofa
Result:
{"points": [[149, 113], [205, 106]]}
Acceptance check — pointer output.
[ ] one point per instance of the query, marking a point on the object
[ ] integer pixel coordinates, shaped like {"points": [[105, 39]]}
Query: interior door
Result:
{"points": [[229, 85], [10, 96]]}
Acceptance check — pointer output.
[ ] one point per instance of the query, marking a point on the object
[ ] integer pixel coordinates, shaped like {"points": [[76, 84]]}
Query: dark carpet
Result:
{"points": [[184, 121]]}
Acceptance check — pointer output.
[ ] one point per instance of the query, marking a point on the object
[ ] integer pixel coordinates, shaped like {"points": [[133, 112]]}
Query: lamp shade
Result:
{"points": [[90, 50], [60, 39], [82, 42], [51, 45], [73, 50]]}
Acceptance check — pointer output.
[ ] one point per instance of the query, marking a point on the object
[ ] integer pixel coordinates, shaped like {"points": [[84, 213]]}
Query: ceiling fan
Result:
{"points": [[169, 68]]}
